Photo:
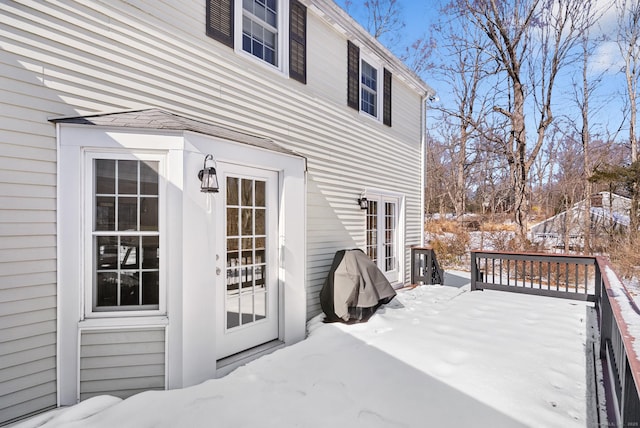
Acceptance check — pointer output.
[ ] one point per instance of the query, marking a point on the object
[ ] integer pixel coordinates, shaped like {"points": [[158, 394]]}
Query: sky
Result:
{"points": [[435, 356], [419, 15]]}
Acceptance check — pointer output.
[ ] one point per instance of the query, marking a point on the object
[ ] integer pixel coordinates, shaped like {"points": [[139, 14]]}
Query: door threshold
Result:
{"points": [[226, 365]]}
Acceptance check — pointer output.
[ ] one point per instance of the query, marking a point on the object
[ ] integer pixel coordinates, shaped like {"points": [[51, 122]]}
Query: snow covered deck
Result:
{"points": [[437, 356]]}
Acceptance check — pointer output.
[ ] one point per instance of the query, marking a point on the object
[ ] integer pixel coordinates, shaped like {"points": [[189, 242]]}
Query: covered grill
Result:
{"points": [[354, 288]]}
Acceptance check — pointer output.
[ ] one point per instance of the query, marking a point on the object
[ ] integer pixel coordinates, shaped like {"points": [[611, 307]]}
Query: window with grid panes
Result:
{"points": [[126, 235], [260, 29]]}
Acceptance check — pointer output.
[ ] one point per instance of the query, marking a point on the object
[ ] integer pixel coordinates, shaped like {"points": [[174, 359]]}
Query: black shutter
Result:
{"points": [[220, 21], [353, 76], [297, 41], [386, 106]]}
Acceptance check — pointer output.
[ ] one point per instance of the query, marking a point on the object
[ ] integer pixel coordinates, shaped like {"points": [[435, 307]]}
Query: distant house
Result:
{"points": [[609, 213], [119, 275]]}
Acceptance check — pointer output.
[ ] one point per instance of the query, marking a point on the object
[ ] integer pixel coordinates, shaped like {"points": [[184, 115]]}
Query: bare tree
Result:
{"points": [[628, 40], [531, 41], [462, 68], [583, 90], [384, 19]]}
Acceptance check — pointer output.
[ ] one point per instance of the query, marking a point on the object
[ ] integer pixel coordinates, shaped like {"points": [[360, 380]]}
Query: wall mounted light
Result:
{"points": [[208, 177], [363, 202]]}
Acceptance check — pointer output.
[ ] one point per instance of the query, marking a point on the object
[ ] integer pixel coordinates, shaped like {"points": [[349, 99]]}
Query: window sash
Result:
{"points": [[260, 35], [369, 89], [123, 255]]}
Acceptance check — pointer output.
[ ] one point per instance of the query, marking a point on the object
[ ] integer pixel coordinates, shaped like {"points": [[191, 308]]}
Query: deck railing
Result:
{"points": [[566, 276], [424, 266], [583, 278]]}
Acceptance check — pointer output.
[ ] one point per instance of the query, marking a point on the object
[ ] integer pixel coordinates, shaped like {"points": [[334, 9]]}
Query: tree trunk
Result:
{"points": [[520, 174]]}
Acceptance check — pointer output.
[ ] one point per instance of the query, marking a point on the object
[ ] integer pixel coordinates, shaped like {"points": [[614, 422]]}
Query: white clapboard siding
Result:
{"points": [[28, 371], [121, 362], [77, 57], [129, 60]]}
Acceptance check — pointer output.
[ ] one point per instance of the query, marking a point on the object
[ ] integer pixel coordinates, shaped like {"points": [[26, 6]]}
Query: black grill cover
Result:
{"points": [[354, 289]]}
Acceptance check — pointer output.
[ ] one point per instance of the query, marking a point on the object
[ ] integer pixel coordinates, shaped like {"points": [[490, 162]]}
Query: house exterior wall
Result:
{"points": [[74, 57], [121, 362]]}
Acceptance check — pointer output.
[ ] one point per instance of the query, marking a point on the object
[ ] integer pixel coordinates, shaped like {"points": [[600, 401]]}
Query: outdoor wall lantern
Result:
{"points": [[363, 202], [208, 177]]}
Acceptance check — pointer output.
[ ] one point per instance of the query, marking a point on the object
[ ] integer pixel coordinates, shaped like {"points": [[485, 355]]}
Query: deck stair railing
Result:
{"points": [[424, 266], [583, 278]]}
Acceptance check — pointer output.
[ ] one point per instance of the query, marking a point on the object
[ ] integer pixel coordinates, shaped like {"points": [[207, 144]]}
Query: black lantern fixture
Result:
{"points": [[363, 202], [208, 177]]}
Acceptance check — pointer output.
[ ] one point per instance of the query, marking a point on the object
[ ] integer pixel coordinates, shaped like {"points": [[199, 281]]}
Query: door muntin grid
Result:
{"points": [[246, 293], [382, 233], [372, 230], [390, 236]]}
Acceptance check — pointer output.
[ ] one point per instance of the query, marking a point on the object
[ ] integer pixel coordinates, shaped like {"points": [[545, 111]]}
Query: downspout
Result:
{"points": [[428, 97], [423, 164], [58, 276]]}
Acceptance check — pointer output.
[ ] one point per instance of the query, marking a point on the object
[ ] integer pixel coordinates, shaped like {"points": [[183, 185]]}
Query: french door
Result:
{"points": [[382, 234], [247, 285]]}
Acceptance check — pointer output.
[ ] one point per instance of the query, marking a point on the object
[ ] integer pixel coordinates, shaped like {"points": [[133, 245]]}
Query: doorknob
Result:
{"points": [[218, 271]]}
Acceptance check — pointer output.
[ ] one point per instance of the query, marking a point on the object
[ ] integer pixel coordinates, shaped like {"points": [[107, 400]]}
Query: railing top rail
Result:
{"points": [[617, 307], [421, 247], [532, 254], [543, 257]]}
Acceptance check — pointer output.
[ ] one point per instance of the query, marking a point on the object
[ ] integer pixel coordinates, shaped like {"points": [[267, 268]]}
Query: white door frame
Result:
{"points": [[249, 292]]}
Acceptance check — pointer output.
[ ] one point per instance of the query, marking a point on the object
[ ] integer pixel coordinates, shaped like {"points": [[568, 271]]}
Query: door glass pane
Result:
{"points": [[232, 222], [232, 244], [233, 280], [260, 306], [246, 265], [232, 191], [260, 222], [260, 193], [372, 230], [127, 177], [247, 258], [389, 236], [247, 277], [233, 313], [260, 277], [247, 221], [247, 193], [233, 259], [246, 307]]}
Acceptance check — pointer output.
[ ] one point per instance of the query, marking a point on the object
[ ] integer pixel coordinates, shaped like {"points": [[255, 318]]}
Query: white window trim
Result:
{"points": [[282, 49], [377, 64], [88, 259], [382, 196]]}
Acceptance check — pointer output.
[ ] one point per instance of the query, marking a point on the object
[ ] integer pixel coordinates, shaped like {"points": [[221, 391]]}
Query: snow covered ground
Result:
{"points": [[436, 356]]}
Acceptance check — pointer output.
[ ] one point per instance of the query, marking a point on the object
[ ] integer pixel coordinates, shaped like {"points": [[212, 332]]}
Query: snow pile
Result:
{"points": [[628, 307], [435, 356]]}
